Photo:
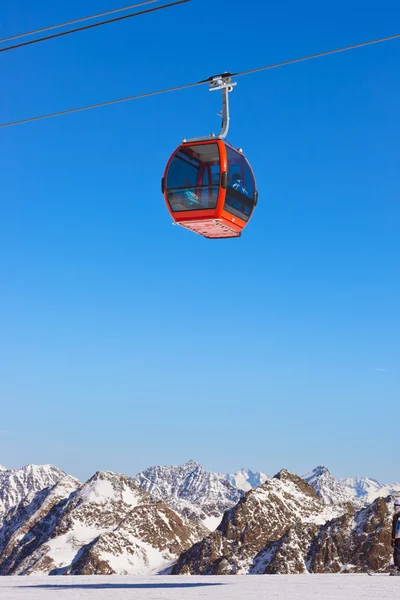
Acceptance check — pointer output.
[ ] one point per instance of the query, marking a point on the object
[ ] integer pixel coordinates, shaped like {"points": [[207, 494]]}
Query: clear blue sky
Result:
{"points": [[126, 342]]}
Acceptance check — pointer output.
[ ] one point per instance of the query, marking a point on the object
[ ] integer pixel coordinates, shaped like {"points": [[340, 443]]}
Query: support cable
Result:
{"points": [[99, 24], [198, 83], [75, 21]]}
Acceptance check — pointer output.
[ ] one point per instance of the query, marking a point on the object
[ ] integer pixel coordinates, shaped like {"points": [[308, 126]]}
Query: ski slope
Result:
{"points": [[264, 587]]}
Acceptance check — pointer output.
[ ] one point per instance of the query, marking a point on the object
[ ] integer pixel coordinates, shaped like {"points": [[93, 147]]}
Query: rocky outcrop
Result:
{"points": [[284, 527], [262, 516], [355, 543]]}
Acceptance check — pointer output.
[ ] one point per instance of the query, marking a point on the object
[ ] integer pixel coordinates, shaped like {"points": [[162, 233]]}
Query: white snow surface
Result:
{"points": [[245, 480], [2, 468], [265, 587]]}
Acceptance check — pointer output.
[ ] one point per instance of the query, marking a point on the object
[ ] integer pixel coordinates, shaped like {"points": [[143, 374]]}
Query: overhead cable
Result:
{"points": [[99, 24], [198, 83], [319, 55], [75, 21]]}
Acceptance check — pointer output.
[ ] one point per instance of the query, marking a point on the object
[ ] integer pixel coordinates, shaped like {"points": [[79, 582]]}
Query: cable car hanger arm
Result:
{"points": [[224, 83]]}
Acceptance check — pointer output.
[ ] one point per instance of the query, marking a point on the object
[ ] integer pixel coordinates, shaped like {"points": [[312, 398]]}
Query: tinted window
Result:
{"points": [[183, 168], [193, 178], [241, 186]]}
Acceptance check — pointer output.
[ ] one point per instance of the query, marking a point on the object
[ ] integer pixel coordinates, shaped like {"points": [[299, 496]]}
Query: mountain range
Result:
{"points": [[184, 519]]}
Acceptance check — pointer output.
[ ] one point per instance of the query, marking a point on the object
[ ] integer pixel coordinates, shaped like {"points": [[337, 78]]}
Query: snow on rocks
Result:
{"points": [[360, 491], [15, 484], [105, 526], [283, 527], [190, 490], [263, 515], [329, 489]]}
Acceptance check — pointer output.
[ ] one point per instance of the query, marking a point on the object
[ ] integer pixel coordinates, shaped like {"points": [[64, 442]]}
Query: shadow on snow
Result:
{"points": [[114, 586]]}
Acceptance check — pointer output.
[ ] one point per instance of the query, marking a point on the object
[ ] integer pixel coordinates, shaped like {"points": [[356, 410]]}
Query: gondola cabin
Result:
{"points": [[209, 188]]}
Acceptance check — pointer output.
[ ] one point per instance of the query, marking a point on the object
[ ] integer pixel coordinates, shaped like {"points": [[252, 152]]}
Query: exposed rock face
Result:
{"points": [[263, 515], [190, 490], [29, 525], [16, 484], [55, 525], [150, 536], [245, 479], [355, 543], [283, 527], [107, 525]]}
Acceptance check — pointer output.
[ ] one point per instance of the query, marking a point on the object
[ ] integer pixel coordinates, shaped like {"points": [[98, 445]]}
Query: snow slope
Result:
{"points": [[284, 587]]}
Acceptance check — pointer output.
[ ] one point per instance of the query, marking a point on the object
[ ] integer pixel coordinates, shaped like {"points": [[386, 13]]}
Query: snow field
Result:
{"points": [[265, 587]]}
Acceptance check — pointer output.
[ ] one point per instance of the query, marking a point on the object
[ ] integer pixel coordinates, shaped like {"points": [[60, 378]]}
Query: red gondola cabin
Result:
{"points": [[209, 188]]}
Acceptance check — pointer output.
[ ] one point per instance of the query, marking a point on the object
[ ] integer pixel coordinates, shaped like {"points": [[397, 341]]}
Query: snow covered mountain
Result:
{"points": [[2, 468], [359, 491], [329, 490], [105, 526], [53, 524], [368, 490], [16, 484], [245, 479], [283, 527], [190, 490]]}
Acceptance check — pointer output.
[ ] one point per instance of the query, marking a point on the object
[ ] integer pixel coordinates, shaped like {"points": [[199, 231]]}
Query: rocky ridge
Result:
{"points": [[190, 490], [107, 525], [16, 484], [284, 527], [360, 491], [329, 489]]}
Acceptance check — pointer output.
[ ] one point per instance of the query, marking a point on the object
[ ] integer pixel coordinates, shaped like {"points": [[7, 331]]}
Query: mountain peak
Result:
{"points": [[191, 490], [283, 474], [192, 464], [16, 484], [287, 477]]}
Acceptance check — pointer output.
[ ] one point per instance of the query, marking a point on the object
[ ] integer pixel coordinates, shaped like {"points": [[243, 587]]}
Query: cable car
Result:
{"points": [[209, 186]]}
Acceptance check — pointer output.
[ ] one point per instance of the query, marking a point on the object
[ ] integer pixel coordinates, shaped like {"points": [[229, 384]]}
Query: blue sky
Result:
{"points": [[126, 342]]}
